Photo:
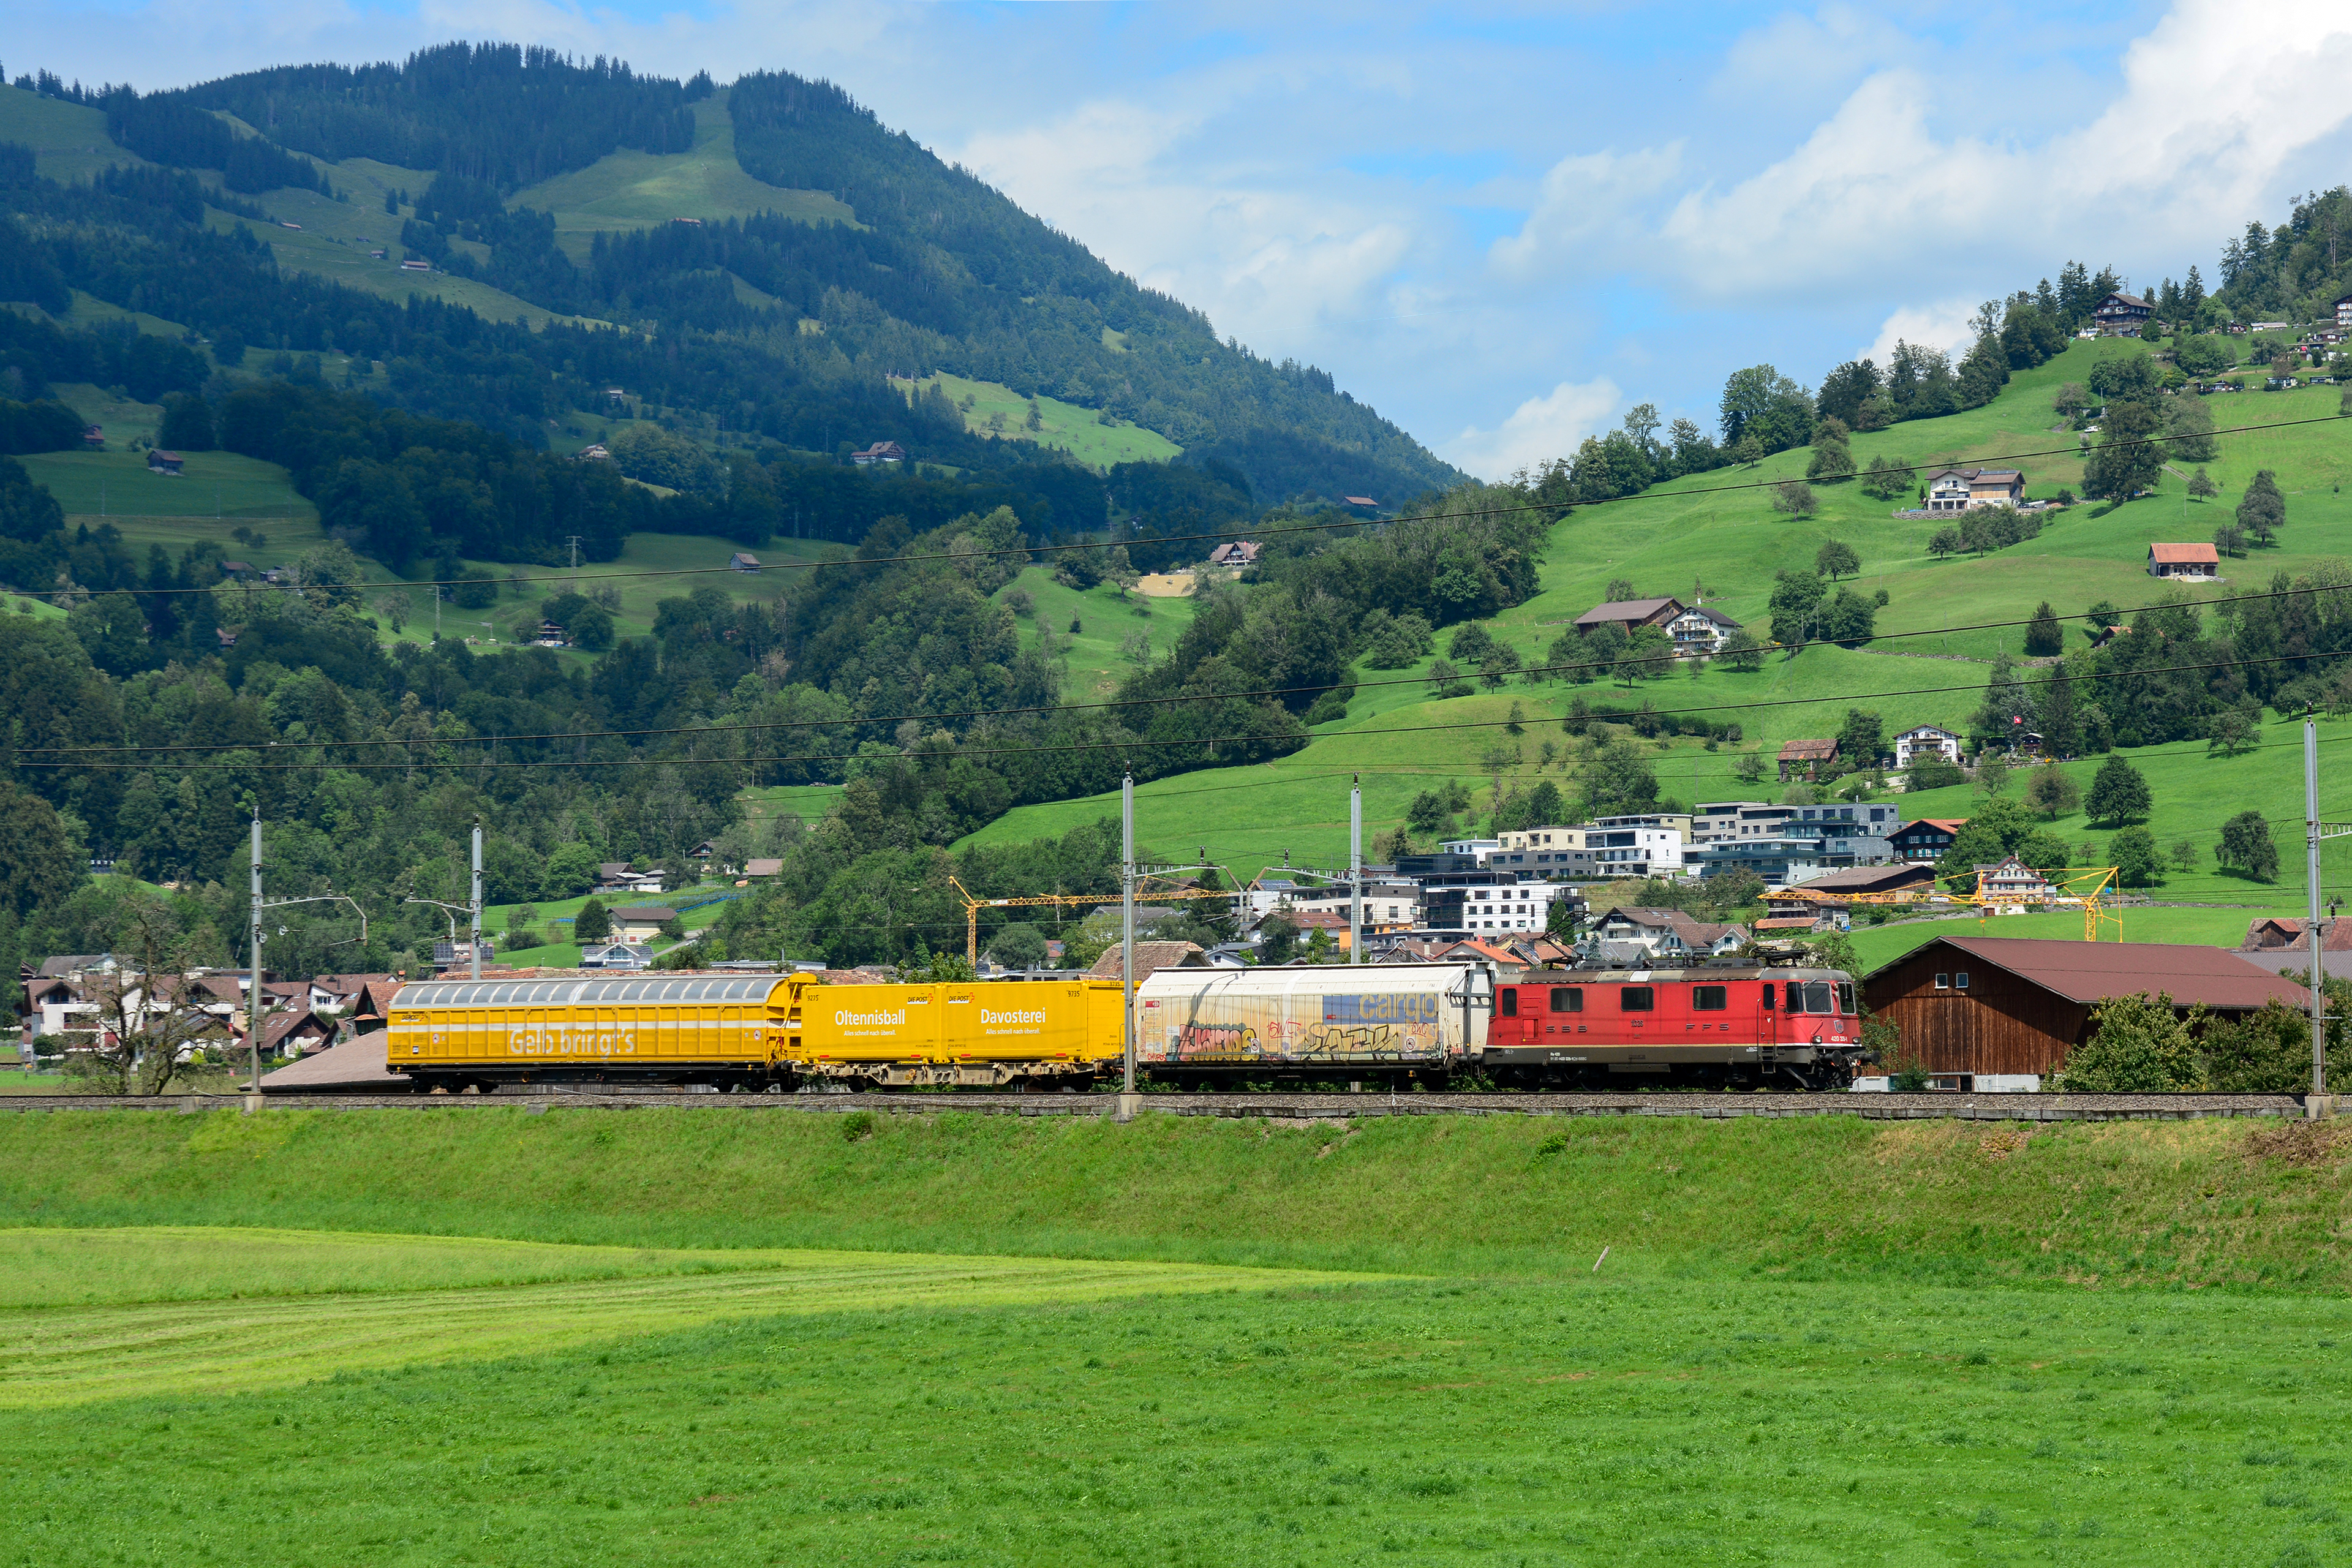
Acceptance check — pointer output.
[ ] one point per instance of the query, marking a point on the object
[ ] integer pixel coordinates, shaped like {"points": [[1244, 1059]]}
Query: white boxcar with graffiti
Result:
{"points": [[1376, 1015]]}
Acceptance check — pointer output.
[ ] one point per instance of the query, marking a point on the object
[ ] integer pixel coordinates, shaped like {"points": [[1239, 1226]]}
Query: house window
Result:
{"points": [[1709, 998], [1943, 982], [1568, 999], [1960, 981], [1637, 999]]}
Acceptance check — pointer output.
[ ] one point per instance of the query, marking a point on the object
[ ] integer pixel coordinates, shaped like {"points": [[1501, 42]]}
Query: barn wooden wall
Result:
{"points": [[1999, 1025]]}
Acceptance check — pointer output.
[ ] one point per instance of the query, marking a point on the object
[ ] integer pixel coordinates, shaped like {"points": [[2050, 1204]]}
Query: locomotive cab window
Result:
{"points": [[1568, 999], [1809, 997], [1845, 997], [1768, 996], [1637, 999], [1710, 998], [1511, 1004]]}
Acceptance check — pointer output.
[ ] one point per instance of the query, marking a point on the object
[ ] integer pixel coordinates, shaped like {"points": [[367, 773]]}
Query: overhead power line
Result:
{"points": [[1235, 531], [1131, 744], [1124, 702]]}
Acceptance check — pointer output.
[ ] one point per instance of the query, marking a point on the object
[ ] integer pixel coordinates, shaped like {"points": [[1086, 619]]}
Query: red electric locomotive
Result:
{"points": [[1740, 1026]]}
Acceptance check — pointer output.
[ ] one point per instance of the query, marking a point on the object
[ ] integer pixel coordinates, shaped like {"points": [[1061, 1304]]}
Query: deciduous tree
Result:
{"points": [[2246, 847], [2118, 793]]}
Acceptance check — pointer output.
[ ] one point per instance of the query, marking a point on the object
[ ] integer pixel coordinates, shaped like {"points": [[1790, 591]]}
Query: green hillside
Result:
{"points": [[1678, 538], [631, 190]]}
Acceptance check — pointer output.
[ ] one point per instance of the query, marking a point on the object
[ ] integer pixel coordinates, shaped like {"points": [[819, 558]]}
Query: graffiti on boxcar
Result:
{"points": [[1215, 1040]]}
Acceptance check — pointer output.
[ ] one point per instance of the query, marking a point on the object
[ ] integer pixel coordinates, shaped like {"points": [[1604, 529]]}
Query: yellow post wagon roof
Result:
{"points": [[574, 993]]}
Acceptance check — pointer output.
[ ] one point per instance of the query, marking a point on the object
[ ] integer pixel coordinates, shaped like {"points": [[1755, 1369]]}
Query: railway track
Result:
{"points": [[1279, 1107]]}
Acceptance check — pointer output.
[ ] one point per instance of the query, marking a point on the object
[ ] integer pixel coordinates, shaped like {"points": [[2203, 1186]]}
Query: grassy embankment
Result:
{"points": [[1811, 1342], [1733, 544]]}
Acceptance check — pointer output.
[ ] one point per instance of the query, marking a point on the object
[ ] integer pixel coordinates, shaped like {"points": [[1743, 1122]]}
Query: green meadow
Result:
{"points": [[631, 190], [997, 410], [480, 1335]]}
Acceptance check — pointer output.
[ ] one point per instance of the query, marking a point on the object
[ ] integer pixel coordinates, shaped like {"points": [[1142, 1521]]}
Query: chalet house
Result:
{"points": [[93, 438], [1630, 614], [2013, 882], [1971, 1005], [1925, 741], [2281, 931], [641, 923], [1806, 759], [1360, 503], [1959, 489], [1927, 838], [880, 452], [2121, 315], [615, 955], [416, 264], [2198, 562], [1668, 934], [743, 561], [224, 636], [158, 461], [1238, 553], [2343, 311], [1700, 631], [594, 452], [757, 868]]}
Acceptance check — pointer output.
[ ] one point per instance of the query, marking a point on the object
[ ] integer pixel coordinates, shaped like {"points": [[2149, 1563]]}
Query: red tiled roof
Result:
{"points": [[2179, 554], [2095, 970], [1809, 750]]}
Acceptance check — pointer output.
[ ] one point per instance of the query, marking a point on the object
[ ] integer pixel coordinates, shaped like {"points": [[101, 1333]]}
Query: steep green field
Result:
{"points": [[632, 190], [1093, 656], [999, 411], [68, 140], [1677, 540]]}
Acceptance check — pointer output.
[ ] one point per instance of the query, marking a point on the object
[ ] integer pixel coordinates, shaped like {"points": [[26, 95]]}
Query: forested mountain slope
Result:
{"points": [[760, 324]]}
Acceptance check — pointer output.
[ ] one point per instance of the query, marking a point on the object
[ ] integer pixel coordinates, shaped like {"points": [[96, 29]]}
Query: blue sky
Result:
{"points": [[1499, 224]]}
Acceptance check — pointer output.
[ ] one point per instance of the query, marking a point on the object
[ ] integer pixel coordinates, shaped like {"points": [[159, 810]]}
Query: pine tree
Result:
{"points": [[2043, 637], [2118, 793]]}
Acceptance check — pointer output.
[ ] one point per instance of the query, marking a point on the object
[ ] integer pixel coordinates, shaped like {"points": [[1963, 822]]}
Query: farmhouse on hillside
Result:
{"points": [[163, 462], [1700, 631], [1234, 553], [2012, 882], [1806, 759], [2201, 562], [1630, 614], [1923, 741], [1958, 489], [880, 452], [1926, 839], [1972, 1006], [2121, 315]]}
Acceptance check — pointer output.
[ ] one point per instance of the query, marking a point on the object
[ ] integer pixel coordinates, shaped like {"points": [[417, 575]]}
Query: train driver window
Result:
{"points": [[1511, 1002], [1568, 999], [1768, 996], [1809, 996], [1710, 998], [1637, 999], [1845, 997]]}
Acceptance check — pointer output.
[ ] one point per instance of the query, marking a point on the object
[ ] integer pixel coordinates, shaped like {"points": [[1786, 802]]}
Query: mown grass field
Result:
{"points": [[1817, 1342], [997, 410], [632, 190]]}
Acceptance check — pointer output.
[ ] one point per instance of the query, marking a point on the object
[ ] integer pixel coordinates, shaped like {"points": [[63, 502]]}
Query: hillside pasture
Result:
{"points": [[1085, 434], [632, 190]]}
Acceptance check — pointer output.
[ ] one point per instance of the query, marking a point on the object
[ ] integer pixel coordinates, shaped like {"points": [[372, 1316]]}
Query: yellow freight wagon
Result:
{"points": [[749, 1032], [986, 1032]]}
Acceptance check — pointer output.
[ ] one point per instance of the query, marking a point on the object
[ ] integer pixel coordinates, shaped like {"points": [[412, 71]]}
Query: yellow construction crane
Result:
{"points": [[973, 905], [2093, 885]]}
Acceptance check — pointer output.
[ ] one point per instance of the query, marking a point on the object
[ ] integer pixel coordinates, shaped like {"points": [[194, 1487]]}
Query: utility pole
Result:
{"points": [[475, 903], [573, 541], [2311, 926], [1126, 923], [253, 997], [1355, 868]]}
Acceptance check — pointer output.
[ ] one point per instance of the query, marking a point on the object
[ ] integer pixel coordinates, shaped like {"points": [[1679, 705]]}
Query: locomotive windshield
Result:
{"points": [[1815, 997]]}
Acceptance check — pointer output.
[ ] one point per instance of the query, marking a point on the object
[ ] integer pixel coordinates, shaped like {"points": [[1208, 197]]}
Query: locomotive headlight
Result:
{"points": [[1817, 1038]]}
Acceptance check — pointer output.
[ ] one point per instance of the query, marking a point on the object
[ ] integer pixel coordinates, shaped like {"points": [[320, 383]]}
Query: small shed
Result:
{"points": [[158, 461], [2200, 562], [2017, 1005], [743, 561]]}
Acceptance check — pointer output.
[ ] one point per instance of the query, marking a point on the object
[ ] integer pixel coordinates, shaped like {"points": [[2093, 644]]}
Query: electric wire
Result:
{"points": [[1235, 531]]}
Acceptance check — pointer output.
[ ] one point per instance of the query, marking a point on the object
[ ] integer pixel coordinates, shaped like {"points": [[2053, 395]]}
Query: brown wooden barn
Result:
{"points": [[1969, 1005]]}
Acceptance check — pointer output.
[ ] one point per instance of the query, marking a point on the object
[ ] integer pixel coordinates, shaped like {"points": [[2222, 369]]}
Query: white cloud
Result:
{"points": [[1943, 325], [2217, 100], [1538, 430], [1588, 202]]}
